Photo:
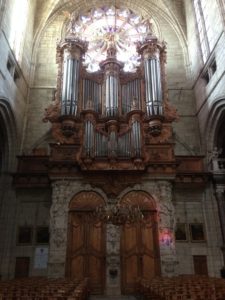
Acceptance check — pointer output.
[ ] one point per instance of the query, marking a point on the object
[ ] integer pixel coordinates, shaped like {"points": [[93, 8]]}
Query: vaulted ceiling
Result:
{"points": [[172, 11]]}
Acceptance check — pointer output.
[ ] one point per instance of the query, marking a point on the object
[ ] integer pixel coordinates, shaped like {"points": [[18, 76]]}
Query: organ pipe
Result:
{"points": [[89, 138], [91, 95], [71, 52], [152, 53], [112, 95], [124, 145], [153, 86], [101, 147], [70, 85], [136, 134], [131, 91]]}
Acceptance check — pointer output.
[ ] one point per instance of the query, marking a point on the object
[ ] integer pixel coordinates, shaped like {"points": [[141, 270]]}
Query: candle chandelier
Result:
{"points": [[118, 214]]}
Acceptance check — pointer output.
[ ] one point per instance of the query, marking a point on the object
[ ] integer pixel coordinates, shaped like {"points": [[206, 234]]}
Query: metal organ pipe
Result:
{"points": [[153, 86], [130, 91], [70, 85], [111, 95], [136, 133], [89, 138]]}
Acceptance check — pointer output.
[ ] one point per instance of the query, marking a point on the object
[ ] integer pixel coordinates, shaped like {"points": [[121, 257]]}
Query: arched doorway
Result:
{"points": [[86, 242], [139, 243]]}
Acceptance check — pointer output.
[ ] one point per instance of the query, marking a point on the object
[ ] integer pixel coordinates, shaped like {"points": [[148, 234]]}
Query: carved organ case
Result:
{"points": [[112, 117]]}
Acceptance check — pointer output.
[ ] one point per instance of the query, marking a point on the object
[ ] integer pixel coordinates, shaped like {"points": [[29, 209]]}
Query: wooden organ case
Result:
{"points": [[112, 120]]}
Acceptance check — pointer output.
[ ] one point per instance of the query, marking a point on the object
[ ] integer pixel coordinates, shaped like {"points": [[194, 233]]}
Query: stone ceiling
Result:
{"points": [[170, 10]]}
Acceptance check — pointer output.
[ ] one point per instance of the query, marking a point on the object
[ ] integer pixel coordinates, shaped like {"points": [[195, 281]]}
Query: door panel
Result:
{"points": [[139, 254], [77, 267], [200, 265], [22, 267], [86, 250]]}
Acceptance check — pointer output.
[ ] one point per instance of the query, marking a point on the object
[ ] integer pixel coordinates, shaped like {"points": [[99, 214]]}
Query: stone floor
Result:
{"points": [[119, 297]]}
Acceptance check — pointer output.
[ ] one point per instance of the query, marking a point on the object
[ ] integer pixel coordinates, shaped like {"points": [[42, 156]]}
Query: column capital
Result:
{"points": [[220, 190]]}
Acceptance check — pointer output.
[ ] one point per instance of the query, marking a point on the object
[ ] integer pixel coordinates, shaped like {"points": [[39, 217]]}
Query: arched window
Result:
{"points": [[18, 26], [110, 25], [202, 9]]}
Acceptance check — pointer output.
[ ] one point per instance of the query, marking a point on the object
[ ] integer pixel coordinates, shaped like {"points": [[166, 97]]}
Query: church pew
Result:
{"points": [[182, 287], [39, 288]]}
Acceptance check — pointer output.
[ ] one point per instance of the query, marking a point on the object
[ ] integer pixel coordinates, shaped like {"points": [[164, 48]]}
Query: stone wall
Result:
{"points": [[63, 192], [198, 207], [206, 94], [14, 87], [28, 95]]}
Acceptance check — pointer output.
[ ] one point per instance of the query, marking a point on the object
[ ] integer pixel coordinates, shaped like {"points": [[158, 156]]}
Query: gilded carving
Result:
{"points": [[58, 135], [113, 185], [164, 137], [170, 112], [52, 113], [140, 199]]}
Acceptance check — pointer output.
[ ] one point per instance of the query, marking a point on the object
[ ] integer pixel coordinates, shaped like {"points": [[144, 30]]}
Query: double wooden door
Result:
{"points": [[139, 253], [86, 250]]}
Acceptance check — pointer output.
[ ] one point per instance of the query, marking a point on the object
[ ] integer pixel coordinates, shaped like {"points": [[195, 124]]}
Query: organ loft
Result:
{"points": [[119, 176]]}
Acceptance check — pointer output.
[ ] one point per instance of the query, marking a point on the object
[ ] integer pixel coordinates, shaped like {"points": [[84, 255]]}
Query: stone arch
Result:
{"points": [[140, 199], [152, 9], [8, 136], [215, 121], [84, 201]]}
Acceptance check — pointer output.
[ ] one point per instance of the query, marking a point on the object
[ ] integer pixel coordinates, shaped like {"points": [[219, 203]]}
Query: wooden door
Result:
{"points": [[86, 250], [139, 254], [22, 267], [200, 265]]}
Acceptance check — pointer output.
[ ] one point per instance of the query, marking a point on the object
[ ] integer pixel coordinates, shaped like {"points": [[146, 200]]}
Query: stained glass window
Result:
{"points": [[18, 26], [202, 8], [106, 26]]}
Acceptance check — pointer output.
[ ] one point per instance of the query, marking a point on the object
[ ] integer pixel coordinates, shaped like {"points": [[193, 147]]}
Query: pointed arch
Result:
{"points": [[215, 120], [8, 134]]}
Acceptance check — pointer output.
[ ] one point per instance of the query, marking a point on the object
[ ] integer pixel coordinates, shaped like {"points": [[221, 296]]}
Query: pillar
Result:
{"points": [[167, 230], [220, 197]]}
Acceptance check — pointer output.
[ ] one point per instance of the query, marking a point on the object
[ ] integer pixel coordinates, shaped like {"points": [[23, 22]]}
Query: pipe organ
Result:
{"points": [[153, 84], [71, 72], [110, 114]]}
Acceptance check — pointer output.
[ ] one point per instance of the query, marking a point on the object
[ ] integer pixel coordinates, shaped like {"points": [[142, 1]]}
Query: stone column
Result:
{"points": [[58, 230], [220, 197], [113, 287], [167, 230]]}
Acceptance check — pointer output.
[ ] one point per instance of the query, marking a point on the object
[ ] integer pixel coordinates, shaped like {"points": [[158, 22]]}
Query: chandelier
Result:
{"points": [[118, 214]]}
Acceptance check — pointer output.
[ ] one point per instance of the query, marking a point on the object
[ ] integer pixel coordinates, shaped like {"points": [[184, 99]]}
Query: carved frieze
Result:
{"points": [[52, 112], [170, 112], [113, 184], [58, 237]]}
